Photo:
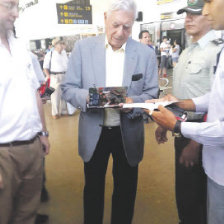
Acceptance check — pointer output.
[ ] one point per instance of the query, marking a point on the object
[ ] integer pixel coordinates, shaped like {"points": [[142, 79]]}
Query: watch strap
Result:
{"points": [[177, 129]]}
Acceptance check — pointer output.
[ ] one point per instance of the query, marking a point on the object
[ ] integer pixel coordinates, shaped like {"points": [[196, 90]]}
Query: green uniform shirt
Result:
{"points": [[193, 74]]}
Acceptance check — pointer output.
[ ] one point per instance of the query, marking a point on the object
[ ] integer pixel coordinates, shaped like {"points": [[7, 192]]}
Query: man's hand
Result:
{"points": [[126, 110], [44, 100], [164, 118], [46, 145], [1, 182], [190, 154], [168, 97], [87, 99], [160, 135]]}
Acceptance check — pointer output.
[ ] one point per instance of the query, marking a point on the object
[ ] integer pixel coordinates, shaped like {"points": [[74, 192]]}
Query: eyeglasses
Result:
{"points": [[10, 6]]}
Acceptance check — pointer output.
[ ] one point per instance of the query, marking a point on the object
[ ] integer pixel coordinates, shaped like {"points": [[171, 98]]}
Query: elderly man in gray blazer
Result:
{"points": [[113, 59]]}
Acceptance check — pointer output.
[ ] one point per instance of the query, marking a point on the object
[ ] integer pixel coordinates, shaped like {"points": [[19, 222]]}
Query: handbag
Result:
{"points": [[44, 87]]}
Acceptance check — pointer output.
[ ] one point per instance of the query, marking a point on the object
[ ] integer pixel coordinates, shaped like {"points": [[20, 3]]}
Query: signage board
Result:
{"points": [[165, 16], [162, 2], [26, 4], [74, 14], [79, 2]]}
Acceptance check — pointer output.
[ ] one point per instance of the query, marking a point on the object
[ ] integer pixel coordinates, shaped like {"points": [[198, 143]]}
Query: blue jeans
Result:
{"points": [[215, 202]]}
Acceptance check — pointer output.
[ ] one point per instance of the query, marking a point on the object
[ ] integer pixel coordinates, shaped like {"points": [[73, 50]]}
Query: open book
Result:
{"points": [[178, 112]]}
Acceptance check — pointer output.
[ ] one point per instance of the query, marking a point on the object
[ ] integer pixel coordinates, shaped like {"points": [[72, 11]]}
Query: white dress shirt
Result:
{"points": [[114, 78], [211, 133], [19, 115], [37, 68], [58, 61]]}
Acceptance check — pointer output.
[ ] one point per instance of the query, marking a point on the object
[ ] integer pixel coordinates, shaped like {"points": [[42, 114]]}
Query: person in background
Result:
{"points": [[164, 49], [44, 197], [71, 110], [145, 38], [23, 133], [55, 66], [158, 53], [49, 48], [113, 59], [175, 51]]}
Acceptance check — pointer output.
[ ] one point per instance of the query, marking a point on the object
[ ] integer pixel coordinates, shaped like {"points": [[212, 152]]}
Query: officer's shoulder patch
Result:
{"points": [[218, 41]]}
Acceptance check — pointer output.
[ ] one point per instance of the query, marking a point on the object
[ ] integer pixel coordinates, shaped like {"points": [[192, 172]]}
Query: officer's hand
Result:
{"points": [[160, 135], [167, 97], [190, 154]]}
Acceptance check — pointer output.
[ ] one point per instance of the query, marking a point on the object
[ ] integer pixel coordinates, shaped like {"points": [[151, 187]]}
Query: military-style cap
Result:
{"points": [[193, 7]]}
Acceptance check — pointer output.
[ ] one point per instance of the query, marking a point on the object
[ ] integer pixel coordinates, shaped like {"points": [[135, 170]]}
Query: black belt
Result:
{"points": [[110, 127], [56, 73], [17, 143]]}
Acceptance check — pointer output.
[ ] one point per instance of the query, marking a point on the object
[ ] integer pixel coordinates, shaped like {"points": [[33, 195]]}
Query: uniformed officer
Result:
{"points": [[192, 77]]}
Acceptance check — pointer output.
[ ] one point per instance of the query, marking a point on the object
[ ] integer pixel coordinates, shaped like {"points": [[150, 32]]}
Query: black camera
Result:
{"points": [[48, 92]]}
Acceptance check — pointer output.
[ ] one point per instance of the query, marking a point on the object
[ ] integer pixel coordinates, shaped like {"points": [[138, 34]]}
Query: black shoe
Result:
{"points": [[41, 219], [44, 195]]}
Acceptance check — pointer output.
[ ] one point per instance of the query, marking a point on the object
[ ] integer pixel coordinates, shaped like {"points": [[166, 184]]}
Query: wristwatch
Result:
{"points": [[177, 129], [43, 133]]}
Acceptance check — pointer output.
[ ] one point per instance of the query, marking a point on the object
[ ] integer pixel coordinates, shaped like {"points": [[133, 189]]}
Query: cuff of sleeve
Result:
{"points": [[136, 112], [136, 99], [197, 104], [80, 101], [201, 103], [188, 129]]}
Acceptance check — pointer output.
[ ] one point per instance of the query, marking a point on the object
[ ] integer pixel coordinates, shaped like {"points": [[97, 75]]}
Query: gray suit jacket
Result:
{"points": [[87, 69]]}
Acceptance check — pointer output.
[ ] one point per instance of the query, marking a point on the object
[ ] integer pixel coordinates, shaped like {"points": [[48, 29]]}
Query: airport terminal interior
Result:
{"points": [[155, 201], [39, 23]]}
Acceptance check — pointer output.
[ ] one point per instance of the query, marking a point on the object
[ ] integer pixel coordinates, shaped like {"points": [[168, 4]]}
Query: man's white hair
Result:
{"points": [[125, 5]]}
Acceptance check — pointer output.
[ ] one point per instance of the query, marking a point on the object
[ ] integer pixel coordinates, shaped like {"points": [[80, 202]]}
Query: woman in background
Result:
{"points": [[175, 53]]}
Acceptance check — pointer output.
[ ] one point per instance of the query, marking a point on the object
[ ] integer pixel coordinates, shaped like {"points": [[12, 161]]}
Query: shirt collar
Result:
{"points": [[206, 39], [107, 46]]}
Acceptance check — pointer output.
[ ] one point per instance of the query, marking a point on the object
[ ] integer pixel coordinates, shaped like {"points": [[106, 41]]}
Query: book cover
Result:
{"points": [[106, 97]]}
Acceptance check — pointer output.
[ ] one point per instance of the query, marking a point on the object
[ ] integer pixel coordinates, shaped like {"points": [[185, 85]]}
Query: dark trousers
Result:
{"points": [[190, 188], [125, 181]]}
